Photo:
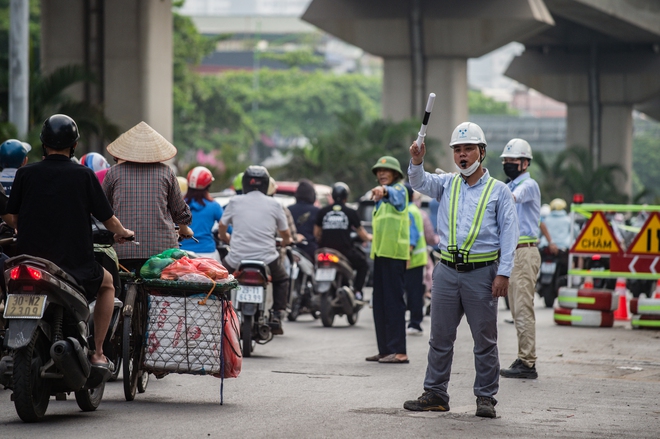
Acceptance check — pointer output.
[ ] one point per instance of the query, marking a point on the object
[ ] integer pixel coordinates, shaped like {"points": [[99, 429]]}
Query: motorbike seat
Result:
{"points": [[44, 264]]}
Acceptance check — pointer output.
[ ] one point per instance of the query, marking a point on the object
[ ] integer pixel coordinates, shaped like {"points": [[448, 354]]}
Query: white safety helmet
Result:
{"points": [[517, 149], [467, 133], [545, 210], [272, 186]]}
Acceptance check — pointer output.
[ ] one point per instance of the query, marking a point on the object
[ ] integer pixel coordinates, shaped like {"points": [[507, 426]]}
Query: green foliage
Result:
{"points": [[573, 171], [646, 162], [478, 103], [348, 153], [296, 58]]}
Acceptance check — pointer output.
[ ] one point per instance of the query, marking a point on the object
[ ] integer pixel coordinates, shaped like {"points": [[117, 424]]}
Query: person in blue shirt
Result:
{"points": [[478, 229], [205, 213], [516, 157]]}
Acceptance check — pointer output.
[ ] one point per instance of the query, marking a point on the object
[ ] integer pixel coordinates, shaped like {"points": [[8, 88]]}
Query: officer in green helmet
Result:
{"points": [[390, 250]]}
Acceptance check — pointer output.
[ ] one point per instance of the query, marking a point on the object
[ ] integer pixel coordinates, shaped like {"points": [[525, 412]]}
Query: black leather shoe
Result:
{"points": [[428, 402], [519, 370], [486, 407]]}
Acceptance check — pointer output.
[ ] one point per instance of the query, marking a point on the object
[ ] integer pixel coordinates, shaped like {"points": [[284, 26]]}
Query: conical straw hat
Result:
{"points": [[142, 144]]}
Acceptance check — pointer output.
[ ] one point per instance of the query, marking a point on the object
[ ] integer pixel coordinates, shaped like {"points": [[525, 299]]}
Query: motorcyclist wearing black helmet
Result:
{"points": [[51, 204], [333, 228], [256, 219]]}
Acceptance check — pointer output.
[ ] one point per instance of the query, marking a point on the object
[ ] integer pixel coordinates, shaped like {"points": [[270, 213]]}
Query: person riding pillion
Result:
{"points": [[390, 250], [256, 219], [333, 228], [478, 229], [13, 155]]}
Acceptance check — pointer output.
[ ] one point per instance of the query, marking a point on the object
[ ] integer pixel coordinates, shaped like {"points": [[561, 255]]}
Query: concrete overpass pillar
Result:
{"points": [[447, 78], [625, 78], [136, 60]]}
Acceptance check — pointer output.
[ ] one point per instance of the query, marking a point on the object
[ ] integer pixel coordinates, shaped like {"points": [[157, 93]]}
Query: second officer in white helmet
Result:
{"points": [[516, 159]]}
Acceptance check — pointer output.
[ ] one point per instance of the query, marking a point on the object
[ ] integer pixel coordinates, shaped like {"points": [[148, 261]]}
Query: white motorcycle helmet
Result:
{"points": [[468, 133], [516, 149]]}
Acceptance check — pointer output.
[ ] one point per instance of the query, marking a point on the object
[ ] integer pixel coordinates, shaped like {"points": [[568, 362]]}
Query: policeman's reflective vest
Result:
{"points": [[453, 253], [419, 258], [391, 230]]}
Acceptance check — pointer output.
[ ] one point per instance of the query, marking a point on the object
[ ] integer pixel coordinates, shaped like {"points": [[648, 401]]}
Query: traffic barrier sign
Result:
{"points": [[596, 237], [645, 321], [647, 241], [597, 300], [645, 306], [584, 317]]}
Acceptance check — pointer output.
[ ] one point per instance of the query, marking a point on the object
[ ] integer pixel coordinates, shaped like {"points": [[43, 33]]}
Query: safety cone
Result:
{"points": [[621, 313], [588, 283], [656, 295]]}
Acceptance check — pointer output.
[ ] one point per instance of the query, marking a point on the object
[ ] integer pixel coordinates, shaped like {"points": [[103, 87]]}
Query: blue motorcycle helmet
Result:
{"points": [[13, 153]]}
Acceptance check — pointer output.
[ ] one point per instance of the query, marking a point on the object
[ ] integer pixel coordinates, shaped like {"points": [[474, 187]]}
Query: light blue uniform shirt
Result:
{"points": [[528, 204], [396, 196], [499, 228]]}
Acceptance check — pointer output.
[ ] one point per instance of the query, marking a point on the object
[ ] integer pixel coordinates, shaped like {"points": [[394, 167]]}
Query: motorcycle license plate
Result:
{"points": [[325, 274], [548, 267], [25, 306], [248, 294]]}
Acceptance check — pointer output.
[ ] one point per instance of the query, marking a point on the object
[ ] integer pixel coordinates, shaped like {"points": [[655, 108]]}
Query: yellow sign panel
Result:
{"points": [[647, 241], [596, 237]]}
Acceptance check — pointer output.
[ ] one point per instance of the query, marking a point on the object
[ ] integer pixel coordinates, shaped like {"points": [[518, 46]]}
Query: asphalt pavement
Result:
{"points": [[313, 382]]}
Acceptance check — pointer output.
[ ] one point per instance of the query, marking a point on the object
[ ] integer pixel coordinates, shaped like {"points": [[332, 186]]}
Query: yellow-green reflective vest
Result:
{"points": [[419, 256], [391, 230]]}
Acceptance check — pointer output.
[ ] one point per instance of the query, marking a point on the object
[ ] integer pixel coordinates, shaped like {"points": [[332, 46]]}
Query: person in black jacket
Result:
{"points": [[304, 215]]}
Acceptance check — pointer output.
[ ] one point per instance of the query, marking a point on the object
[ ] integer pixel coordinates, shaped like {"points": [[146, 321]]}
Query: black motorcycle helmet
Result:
{"points": [[340, 192], [256, 178], [59, 132]]}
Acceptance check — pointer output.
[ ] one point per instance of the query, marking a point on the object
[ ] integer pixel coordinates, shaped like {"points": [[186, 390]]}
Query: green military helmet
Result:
{"points": [[387, 162]]}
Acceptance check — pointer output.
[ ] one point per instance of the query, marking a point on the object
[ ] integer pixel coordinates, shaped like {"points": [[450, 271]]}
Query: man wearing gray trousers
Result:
{"points": [[478, 228]]}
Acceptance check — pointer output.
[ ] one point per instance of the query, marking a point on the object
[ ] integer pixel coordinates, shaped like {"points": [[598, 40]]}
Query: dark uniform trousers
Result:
{"points": [[389, 305]]}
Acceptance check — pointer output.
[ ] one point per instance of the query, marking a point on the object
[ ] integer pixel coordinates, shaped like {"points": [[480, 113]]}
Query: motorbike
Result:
{"points": [[50, 333], [301, 275], [333, 283], [552, 275], [252, 300]]}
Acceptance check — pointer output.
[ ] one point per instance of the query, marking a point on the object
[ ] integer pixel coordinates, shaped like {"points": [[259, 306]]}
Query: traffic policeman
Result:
{"points": [[516, 158], [478, 230]]}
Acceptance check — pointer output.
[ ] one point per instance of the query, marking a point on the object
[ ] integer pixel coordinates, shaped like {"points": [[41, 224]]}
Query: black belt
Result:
{"points": [[464, 267]]}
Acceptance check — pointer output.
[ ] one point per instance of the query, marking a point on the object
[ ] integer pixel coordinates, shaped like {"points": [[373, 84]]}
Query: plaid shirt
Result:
{"points": [[147, 199]]}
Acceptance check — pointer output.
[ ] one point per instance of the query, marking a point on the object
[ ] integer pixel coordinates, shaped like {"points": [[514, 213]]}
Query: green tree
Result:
{"points": [[348, 153], [478, 103], [646, 162]]}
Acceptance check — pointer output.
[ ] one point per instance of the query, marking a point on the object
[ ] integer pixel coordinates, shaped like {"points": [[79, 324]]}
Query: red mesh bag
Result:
{"points": [[231, 343]]}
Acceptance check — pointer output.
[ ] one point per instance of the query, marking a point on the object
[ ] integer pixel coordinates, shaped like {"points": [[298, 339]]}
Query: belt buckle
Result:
{"points": [[461, 267]]}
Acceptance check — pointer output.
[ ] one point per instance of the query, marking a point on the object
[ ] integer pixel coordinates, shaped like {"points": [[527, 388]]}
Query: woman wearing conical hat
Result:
{"points": [[144, 192]]}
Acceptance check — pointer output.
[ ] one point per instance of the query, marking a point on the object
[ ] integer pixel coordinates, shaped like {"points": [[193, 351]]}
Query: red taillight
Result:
{"points": [[20, 272], [34, 273], [327, 257], [251, 278], [595, 258]]}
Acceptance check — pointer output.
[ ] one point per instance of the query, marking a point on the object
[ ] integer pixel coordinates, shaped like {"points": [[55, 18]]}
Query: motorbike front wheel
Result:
{"points": [[31, 391], [327, 313], [246, 335], [89, 399]]}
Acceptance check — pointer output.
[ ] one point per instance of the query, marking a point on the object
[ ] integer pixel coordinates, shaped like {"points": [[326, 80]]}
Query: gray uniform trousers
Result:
{"points": [[455, 294]]}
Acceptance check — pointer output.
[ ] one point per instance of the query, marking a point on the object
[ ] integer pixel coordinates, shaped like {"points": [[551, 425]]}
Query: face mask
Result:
{"points": [[469, 170], [511, 170]]}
